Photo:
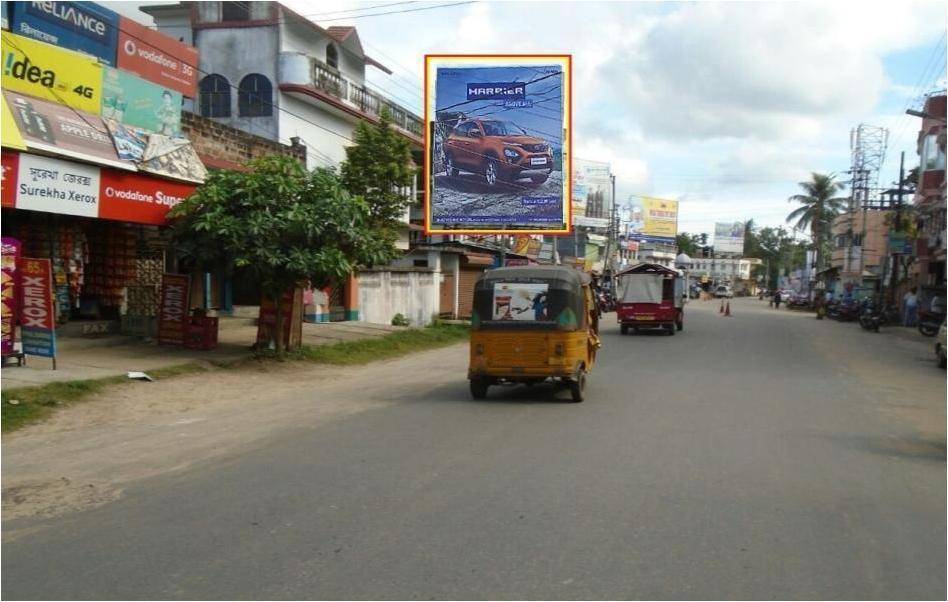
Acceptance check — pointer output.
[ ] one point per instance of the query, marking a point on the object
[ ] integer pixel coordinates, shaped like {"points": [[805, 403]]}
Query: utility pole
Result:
{"points": [[897, 227]]}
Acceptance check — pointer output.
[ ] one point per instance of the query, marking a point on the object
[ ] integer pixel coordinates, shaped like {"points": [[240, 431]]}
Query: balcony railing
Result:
{"points": [[329, 80]]}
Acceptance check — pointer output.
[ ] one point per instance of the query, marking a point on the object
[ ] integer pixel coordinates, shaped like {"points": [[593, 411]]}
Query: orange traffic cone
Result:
{"points": [[727, 312], [721, 311]]}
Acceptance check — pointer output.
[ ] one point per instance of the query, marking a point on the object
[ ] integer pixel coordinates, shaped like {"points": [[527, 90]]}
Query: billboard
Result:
{"points": [[57, 129], [51, 73], [520, 301], [156, 57], [592, 190], [729, 237], [8, 293], [132, 101], [83, 26], [497, 143], [653, 220], [65, 187]]}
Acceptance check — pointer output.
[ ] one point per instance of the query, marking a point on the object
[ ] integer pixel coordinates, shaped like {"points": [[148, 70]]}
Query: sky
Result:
{"points": [[724, 106]]}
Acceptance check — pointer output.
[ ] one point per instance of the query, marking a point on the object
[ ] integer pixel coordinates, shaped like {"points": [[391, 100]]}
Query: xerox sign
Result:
{"points": [[496, 91]]}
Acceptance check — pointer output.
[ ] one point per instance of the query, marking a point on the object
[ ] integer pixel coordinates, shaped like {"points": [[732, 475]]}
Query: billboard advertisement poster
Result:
{"points": [[173, 308], [497, 143], [156, 57], [520, 301], [133, 101], [592, 189], [55, 186], [8, 293], [51, 73], [131, 197], [173, 158], [522, 244], [57, 129], [729, 237], [653, 220], [37, 312], [84, 26], [9, 132], [291, 305], [11, 170]]}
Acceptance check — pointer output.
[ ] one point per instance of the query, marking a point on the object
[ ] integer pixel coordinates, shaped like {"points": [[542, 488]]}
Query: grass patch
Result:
{"points": [[37, 403], [391, 345]]}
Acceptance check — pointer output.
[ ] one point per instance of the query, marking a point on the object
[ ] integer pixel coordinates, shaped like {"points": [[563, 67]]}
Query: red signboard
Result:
{"points": [[10, 161], [8, 293], [157, 57], [173, 309], [130, 197], [37, 312]]}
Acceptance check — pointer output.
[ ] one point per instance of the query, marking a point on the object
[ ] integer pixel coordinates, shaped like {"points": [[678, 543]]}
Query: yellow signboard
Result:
{"points": [[51, 73], [661, 217]]}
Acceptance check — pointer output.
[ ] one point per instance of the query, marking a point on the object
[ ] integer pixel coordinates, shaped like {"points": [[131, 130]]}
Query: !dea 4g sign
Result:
{"points": [[59, 76], [83, 26]]}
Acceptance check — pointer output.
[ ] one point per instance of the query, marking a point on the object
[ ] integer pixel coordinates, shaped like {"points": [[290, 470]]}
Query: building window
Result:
{"points": [[255, 96], [235, 11], [332, 56], [215, 96]]}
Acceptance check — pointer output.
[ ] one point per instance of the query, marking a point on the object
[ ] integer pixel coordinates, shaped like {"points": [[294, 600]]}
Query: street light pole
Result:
{"points": [[897, 227]]}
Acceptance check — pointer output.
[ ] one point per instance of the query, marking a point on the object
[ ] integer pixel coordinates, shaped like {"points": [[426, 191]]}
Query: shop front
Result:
{"points": [[103, 230]]}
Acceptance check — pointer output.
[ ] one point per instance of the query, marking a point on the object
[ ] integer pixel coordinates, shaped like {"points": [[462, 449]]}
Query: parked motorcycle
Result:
{"points": [[875, 314], [929, 322], [842, 311]]}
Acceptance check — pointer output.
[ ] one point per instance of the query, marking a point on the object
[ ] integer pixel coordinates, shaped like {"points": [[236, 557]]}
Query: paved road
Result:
{"points": [[766, 455]]}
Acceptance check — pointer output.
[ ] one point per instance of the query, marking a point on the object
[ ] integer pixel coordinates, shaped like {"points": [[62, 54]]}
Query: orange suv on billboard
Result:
{"points": [[501, 151]]}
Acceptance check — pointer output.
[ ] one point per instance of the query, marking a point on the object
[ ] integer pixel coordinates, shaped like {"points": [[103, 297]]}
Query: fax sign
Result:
{"points": [[497, 91]]}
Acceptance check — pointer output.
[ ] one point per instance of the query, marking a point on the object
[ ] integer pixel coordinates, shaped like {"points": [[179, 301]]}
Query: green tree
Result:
{"points": [[688, 243], [818, 208], [379, 169], [281, 224]]}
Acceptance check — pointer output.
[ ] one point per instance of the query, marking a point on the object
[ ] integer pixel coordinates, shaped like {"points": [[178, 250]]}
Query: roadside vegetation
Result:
{"points": [[26, 405]]}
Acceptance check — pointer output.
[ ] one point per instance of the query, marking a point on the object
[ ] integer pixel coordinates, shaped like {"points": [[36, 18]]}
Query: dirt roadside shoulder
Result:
{"points": [[85, 454]]}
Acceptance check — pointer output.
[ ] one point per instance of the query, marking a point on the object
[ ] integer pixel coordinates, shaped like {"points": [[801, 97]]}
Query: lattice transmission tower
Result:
{"points": [[867, 145]]}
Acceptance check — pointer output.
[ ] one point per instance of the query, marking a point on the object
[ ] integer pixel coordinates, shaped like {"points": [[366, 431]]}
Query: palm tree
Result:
{"points": [[819, 207]]}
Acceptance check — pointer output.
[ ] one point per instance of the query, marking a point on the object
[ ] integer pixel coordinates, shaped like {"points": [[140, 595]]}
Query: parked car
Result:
{"points": [[723, 292], [501, 151], [941, 344], [798, 300]]}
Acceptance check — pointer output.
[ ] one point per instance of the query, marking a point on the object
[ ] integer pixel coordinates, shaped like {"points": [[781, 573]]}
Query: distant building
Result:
{"points": [[860, 248], [930, 196]]}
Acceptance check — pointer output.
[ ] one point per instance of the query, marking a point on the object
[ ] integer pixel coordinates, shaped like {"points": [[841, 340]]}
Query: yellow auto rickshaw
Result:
{"points": [[533, 323]]}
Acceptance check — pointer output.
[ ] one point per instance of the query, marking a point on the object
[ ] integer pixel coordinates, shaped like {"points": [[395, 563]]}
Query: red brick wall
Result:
{"points": [[222, 146]]}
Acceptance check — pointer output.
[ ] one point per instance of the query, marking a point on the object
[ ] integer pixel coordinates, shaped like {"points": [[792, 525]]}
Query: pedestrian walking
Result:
{"points": [[910, 307], [777, 300]]}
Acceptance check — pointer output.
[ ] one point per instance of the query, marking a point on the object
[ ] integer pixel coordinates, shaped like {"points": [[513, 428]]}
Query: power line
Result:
{"points": [[351, 10], [398, 12]]}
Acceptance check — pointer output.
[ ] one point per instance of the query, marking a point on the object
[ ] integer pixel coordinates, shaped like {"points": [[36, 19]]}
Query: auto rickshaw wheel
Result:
{"points": [[624, 329], [670, 329], [577, 387], [478, 388]]}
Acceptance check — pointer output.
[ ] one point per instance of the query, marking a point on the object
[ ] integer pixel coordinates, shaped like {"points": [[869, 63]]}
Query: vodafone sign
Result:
{"points": [[130, 197], [65, 187], [157, 57]]}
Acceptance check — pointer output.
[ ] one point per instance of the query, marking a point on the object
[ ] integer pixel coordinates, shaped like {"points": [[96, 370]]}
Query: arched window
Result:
{"points": [[332, 56], [255, 96], [215, 96]]}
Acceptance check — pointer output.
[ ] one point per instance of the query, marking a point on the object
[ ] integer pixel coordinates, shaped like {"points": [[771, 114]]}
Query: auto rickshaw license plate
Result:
{"points": [[644, 317]]}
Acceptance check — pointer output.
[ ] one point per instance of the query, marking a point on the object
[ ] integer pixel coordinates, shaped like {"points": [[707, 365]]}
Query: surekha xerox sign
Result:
{"points": [[498, 143]]}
